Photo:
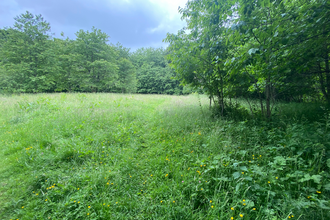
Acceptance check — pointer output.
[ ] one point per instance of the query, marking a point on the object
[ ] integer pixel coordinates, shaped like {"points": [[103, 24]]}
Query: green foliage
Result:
{"points": [[270, 50], [107, 156], [31, 61], [26, 57], [153, 72]]}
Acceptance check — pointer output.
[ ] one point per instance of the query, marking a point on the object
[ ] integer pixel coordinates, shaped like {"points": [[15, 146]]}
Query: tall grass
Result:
{"points": [[112, 156]]}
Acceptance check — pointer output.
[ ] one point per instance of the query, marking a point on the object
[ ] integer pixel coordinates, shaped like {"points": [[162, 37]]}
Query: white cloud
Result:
{"points": [[171, 21]]}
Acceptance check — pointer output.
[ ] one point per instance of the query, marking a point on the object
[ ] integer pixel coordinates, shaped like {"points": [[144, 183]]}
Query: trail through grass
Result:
{"points": [[112, 156]]}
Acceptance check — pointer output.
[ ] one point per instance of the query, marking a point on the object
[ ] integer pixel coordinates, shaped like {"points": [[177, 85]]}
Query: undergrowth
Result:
{"points": [[106, 156]]}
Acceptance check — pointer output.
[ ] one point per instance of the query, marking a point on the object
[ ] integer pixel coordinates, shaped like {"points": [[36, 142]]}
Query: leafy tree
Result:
{"points": [[268, 48], [127, 73], [97, 65], [153, 72], [25, 55]]}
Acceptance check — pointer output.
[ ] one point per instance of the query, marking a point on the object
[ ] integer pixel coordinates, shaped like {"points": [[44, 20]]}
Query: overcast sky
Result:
{"points": [[133, 23]]}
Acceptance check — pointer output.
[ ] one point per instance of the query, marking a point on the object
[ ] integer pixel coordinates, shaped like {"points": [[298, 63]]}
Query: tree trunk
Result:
{"points": [[321, 80], [268, 96], [327, 75]]}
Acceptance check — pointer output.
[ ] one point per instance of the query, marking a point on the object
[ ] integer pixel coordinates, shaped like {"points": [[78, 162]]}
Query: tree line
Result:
{"points": [[262, 49], [32, 61]]}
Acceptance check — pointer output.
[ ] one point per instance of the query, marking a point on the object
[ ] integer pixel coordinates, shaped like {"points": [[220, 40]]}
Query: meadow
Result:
{"points": [[128, 156]]}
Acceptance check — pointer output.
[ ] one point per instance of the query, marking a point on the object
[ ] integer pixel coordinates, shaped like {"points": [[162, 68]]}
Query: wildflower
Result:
{"points": [[22, 207], [241, 215], [232, 218], [212, 206], [116, 202], [151, 175], [201, 165], [232, 208], [268, 181], [244, 203], [161, 201], [242, 172], [308, 197], [277, 178], [173, 201], [182, 181], [74, 201], [87, 213], [89, 206], [166, 175], [103, 203], [78, 189], [249, 161], [318, 191], [254, 209], [201, 188], [243, 200], [78, 201], [107, 183], [46, 200], [292, 216], [210, 201]]}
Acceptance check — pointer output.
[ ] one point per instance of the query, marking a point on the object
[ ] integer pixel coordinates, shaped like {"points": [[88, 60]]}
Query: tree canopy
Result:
{"points": [[266, 49], [32, 60]]}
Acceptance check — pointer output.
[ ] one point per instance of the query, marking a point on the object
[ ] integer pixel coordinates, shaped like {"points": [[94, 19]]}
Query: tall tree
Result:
{"points": [[127, 81], [97, 60], [25, 54]]}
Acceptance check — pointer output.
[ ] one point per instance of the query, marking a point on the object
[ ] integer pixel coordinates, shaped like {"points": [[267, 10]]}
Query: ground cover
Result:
{"points": [[113, 156]]}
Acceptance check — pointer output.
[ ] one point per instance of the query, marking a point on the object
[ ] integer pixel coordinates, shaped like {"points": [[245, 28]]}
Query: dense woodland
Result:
{"points": [[266, 49], [32, 61]]}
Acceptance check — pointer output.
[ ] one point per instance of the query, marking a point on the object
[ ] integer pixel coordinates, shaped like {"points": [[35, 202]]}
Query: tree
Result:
{"points": [[97, 65], [267, 47], [153, 72], [127, 81], [25, 55]]}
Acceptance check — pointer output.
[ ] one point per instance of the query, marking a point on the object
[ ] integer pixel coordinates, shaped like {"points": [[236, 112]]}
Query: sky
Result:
{"points": [[133, 23]]}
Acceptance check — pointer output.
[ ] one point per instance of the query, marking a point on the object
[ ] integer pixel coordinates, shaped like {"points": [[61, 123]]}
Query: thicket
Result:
{"points": [[32, 61], [266, 49]]}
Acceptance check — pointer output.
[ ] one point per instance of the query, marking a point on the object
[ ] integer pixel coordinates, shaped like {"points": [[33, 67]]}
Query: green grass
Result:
{"points": [[113, 156]]}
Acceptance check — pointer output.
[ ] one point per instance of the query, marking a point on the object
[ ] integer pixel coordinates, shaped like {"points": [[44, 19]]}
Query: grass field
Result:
{"points": [[113, 156]]}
